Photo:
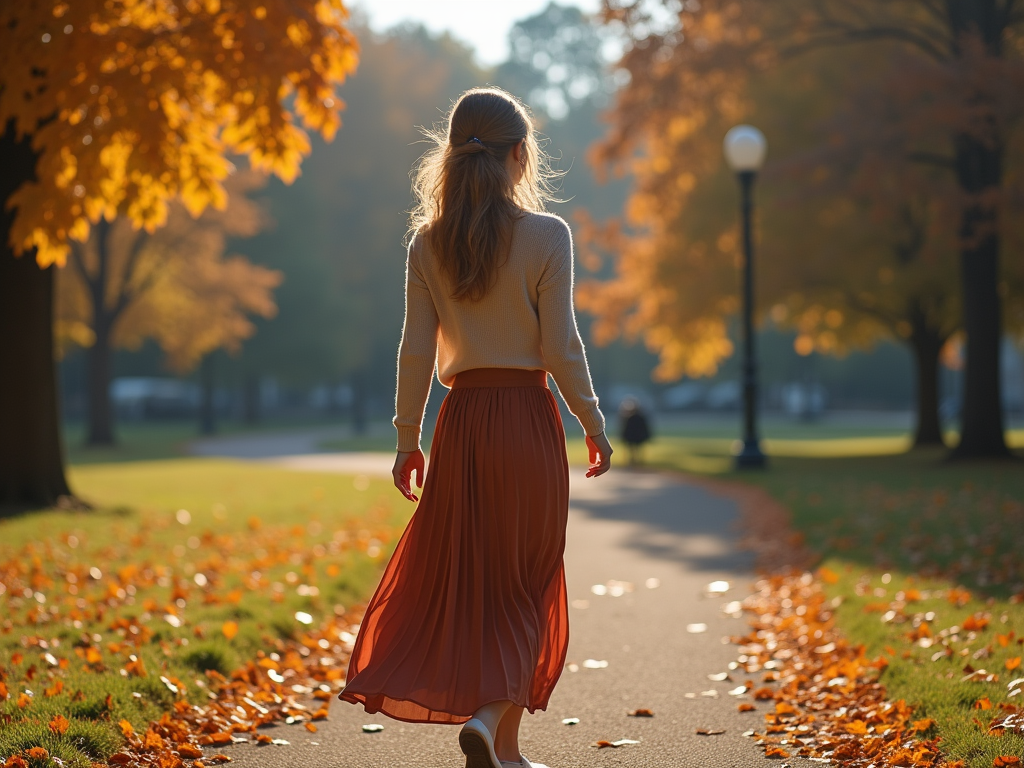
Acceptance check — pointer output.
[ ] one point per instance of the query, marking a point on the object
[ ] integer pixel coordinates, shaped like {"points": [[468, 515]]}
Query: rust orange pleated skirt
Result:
{"points": [[472, 606]]}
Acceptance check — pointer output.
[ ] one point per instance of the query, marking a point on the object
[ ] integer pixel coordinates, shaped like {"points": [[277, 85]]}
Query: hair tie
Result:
{"points": [[474, 138]]}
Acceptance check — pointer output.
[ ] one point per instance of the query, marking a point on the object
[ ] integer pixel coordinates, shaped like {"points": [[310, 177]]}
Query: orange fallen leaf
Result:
{"points": [[189, 750], [59, 725], [1012, 664], [3, 691], [119, 758], [15, 761], [641, 713], [776, 753], [858, 727], [923, 725], [37, 753], [746, 706], [975, 623], [983, 703], [1006, 761], [218, 758], [827, 575], [782, 708], [54, 689], [310, 727], [126, 729], [229, 629], [24, 700]]}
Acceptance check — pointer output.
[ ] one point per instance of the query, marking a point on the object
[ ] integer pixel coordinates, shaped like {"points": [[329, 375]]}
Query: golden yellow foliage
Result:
{"points": [[131, 103], [174, 286]]}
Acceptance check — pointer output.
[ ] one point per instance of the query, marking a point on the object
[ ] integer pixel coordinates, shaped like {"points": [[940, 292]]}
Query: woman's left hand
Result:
{"points": [[405, 465]]}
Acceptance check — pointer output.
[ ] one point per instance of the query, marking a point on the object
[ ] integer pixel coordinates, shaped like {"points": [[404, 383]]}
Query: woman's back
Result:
{"points": [[524, 320]]}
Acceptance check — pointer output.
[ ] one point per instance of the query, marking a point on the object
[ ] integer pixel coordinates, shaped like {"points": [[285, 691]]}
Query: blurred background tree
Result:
{"points": [[175, 286], [115, 109], [859, 247]]}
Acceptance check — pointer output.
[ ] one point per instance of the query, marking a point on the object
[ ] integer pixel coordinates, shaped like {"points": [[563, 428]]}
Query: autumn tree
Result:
{"points": [[114, 108], [175, 286], [338, 233], [696, 72]]}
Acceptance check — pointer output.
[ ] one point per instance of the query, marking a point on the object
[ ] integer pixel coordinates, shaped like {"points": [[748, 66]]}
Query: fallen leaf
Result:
{"points": [[1006, 761], [746, 706], [310, 727], [983, 703], [641, 713], [571, 721], [1012, 664], [373, 728], [229, 629], [776, 753], [189, 750], [59, 725], [923, 725], [620, 743], [719, 677], [709, 731], [696, 629]]}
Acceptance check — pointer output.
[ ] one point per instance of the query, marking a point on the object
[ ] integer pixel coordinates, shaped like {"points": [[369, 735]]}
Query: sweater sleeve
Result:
{"points": [[416, 354], [564, 355]]}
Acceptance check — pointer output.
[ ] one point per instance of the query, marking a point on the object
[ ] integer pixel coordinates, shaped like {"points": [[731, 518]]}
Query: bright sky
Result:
{"points": [[484, 24]]}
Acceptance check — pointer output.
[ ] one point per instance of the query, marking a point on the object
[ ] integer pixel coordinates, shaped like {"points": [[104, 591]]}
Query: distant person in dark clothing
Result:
{"points": [[636, 430]]}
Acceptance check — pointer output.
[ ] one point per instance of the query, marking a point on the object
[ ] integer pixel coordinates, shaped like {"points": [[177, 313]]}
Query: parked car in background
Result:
{"points": [[138, 398]]}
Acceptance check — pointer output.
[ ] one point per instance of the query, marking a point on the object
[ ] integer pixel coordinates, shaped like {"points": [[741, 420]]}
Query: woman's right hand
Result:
{"points": [[600, 455], [405, 464]]}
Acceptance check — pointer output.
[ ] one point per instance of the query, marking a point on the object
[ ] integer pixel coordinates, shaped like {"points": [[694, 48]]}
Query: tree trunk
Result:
{"points": [[31, 455], [926, 345], [101, 412], [979, 172], [207, 421]]}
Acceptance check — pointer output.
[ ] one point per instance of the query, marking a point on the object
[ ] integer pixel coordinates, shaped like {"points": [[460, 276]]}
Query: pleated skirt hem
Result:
{"points": [[472, 606]]}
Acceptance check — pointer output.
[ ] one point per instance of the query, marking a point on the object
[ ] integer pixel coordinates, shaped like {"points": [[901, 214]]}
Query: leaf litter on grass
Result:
{"points": [[156, 629], [828, 701]]}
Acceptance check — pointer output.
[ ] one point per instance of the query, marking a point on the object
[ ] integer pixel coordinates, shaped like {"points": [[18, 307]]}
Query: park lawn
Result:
{"points": [[185, 565], [923, 558], [947, 539]]}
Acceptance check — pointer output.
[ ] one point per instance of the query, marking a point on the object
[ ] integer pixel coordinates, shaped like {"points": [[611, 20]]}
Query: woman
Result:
{"points": [[469, 624]]}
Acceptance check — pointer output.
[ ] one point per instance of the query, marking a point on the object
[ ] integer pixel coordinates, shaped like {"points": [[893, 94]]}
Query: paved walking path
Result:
{"points": [[628, 526]]}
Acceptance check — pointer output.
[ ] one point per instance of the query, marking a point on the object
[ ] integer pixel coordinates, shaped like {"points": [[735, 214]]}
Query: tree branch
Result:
{"points": [[127, 293], [865, 28]]}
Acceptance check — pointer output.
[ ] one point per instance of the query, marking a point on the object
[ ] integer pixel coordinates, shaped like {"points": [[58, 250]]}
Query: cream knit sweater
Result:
{"points": [[526, 321]]}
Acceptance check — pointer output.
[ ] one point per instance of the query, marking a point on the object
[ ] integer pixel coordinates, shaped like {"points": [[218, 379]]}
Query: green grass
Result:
{"points": [[174, 550], [153, 440], [950, 534]]}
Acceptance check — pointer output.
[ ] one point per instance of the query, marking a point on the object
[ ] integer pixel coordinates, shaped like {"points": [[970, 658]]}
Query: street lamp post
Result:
{"points": [[745, 148]]}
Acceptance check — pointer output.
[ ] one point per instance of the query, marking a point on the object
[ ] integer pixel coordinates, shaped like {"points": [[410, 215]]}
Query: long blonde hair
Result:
{"points": [[466, 205]]}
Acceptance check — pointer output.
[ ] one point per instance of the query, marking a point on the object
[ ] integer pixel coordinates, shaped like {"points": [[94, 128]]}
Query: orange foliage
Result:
{"points": [[858, 208], [174, 286], [133, 103]]}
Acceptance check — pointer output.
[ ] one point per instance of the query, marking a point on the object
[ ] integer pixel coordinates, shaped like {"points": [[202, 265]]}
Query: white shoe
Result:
{"points": [[523, 763], [478, 745]]}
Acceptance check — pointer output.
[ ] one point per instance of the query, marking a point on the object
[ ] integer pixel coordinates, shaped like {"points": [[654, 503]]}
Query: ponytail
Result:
{"points": [[467, 205]]}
